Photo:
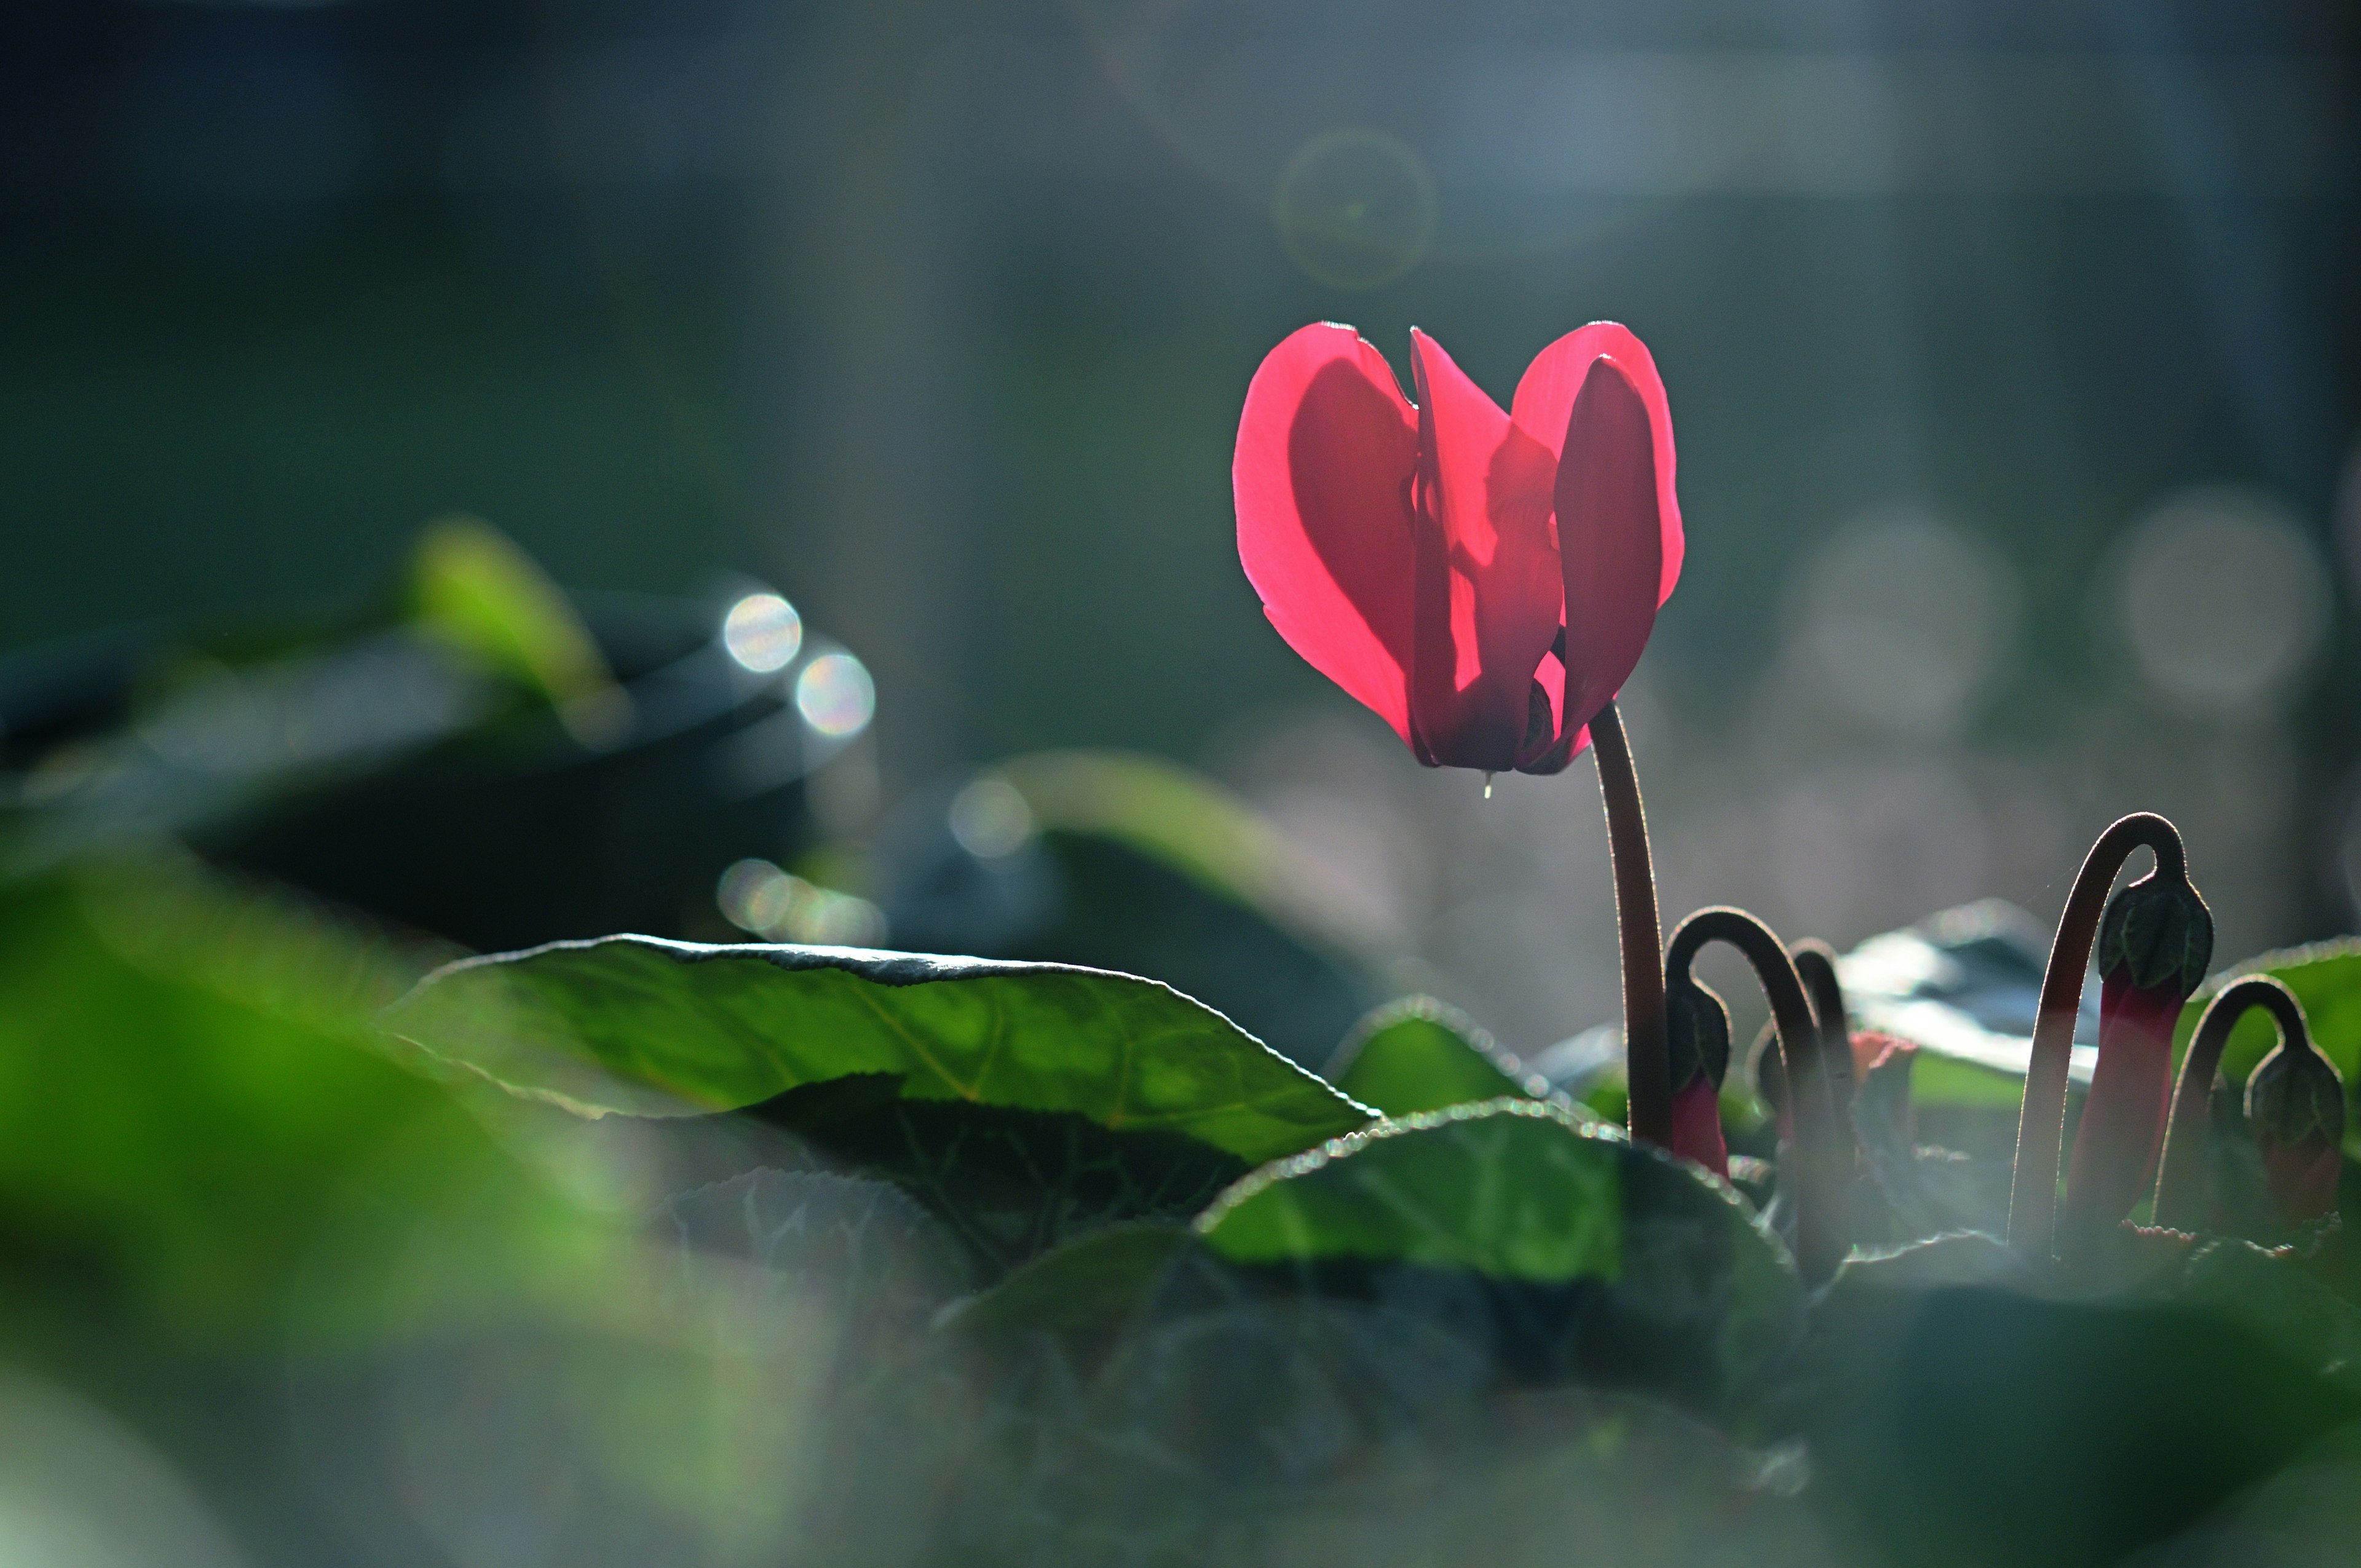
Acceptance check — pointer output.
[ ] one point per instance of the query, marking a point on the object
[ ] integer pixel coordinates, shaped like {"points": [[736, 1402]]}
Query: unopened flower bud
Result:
{"points": [[1697, 1031], [2295, 1107], [2155, 940], [2158, 934]]}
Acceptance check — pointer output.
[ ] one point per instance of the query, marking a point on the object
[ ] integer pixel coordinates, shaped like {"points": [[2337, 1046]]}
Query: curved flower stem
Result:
{"points": [[1819, 1148], [2180, 1173], [1648, 1069], [1815, 965], [2041, 1115]]}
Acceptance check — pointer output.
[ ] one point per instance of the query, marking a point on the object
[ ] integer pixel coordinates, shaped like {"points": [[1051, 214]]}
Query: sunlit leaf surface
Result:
{"points": [[1573, 1253], [721, 1028], [1419, 1054], [1022, 1103]]}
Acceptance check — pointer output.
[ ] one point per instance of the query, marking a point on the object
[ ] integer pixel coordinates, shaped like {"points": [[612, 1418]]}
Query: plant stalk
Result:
{"points": [[1647, 1057], [2181, 1169], [2041, 1115], [1822, 1155], [1815, 965]]}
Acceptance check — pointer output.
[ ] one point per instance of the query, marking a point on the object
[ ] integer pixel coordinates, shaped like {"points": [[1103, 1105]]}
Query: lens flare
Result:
{"points": [[778, 907], [1355, 209], [762, 632], [836, 696]]}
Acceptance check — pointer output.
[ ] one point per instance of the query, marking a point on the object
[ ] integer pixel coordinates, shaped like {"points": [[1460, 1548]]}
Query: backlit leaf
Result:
{"points": [[1024, 1105], [1574, 1252], [1418, 1054]]}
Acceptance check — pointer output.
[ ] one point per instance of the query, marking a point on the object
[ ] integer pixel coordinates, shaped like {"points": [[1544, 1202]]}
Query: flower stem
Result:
{"points": [[1648, 1070], [2180, 1173], [1815, 965], [1822, 1155], [2041, 1115]]}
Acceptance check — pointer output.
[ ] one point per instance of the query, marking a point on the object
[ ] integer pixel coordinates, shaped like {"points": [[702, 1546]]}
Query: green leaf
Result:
{"points": [[1955, 1421], [1418, 1054], [1024, 1105], [1081, 1296], [2270, 1293], [1959, 1257], [1010, 1183], [1494, 1188], [1946, 1083], [653, 1027], [1593, 1258], [807, 1231]]}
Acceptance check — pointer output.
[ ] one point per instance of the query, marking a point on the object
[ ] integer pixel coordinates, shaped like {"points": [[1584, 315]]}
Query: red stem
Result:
{"points": [[2041, 1116], [1648, 1069]]}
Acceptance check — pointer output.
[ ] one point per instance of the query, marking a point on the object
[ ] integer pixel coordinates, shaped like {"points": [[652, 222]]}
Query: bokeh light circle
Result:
{"points": [[762, 632], [1355, 208], [754, 895], [1903, 620], [990, 818], [835, 694], [2221, 597]]}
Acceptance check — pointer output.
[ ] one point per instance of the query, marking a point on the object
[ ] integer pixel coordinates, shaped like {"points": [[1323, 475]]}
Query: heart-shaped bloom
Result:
{"points": [[1482, 581]]}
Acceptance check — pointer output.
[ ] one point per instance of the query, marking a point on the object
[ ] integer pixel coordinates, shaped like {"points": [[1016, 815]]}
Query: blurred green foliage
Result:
{"points": [[1131, 864], [187, 1081], [473, 588]]}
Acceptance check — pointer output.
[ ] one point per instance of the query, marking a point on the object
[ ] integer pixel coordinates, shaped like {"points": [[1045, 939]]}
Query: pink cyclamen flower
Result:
{"points": [[1482, 581]]}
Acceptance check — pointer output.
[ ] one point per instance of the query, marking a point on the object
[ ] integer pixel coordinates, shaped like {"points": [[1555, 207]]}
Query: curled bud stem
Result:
{"points": [[2180, 1174], [2041, 1116], [1821, 1156], [1647, 1060], [1815, 965]]}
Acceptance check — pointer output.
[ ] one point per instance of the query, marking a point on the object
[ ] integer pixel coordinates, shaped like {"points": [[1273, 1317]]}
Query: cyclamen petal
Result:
{"points": [[1611, 545], [1427, 558], [1488, 577], [1544, 403], [1327, 448]]}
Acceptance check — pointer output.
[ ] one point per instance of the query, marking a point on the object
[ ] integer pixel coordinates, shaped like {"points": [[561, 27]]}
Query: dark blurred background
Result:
{"points": [[2015, 353]]}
